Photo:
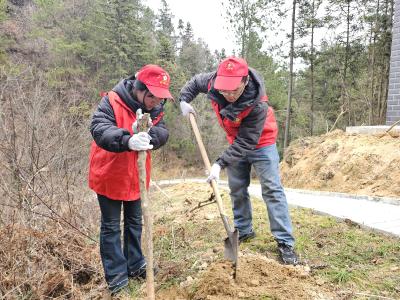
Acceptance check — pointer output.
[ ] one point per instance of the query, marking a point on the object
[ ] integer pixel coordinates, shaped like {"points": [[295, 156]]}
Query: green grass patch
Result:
{"points": [[343, 255]]}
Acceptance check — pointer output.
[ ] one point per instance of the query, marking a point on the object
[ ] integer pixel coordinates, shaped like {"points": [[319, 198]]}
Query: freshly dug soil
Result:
{"points": [[257, 277], [349, 163]]}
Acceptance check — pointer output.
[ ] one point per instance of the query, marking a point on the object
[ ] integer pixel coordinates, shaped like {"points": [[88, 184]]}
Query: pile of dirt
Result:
{"points": [[47, 264], [349, 163], [258, 277]]}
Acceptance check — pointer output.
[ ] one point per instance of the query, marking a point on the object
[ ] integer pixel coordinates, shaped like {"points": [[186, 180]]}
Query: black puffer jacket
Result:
{"points": [[251, 127], [104, 130]]}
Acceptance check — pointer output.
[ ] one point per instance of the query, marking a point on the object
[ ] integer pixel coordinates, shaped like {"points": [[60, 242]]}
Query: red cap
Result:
{"points": [[156, 80], [230, 72]]}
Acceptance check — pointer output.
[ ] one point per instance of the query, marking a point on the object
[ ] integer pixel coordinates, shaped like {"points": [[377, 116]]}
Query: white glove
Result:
{"points": [[140, 142], [214, 173], [186, 108], [139, 116]]}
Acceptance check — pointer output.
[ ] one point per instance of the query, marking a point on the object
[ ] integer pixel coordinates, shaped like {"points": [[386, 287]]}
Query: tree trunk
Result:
{"points": [[289, 103], [312, 70], [345, 99]]}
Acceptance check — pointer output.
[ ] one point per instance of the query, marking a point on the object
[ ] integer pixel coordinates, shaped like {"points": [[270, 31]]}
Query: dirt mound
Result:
{"points": [[340, 162], [257, 277]]}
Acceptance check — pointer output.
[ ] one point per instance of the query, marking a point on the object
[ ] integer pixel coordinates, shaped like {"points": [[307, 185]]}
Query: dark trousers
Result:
{"points": [[118, 263]]}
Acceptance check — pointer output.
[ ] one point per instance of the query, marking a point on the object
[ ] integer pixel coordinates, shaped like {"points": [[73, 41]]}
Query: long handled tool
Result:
{"points": [[232, 241], [146, 211]]}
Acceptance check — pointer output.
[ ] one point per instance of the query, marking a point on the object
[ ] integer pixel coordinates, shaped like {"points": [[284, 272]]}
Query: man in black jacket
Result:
{"points": [[113, 173], [240, 103]]}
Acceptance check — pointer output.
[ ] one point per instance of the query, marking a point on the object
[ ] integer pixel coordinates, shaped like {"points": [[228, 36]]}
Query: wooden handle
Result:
{"points": [[146, 212], [206, 162]]}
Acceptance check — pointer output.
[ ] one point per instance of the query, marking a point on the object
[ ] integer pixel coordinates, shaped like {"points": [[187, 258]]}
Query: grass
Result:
{"points": [[346, 257]]}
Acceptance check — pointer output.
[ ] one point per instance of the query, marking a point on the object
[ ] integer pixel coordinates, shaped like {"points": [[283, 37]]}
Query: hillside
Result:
{"points": [[349, 163]]}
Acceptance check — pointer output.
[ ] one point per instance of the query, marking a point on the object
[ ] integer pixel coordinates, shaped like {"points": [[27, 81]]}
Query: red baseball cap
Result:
{"points": [[230, 72], [156, 79]]}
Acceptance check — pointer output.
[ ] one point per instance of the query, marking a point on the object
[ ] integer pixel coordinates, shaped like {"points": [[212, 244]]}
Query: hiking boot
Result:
{"points": [[141, 272], [287, 254], [247, 237]]}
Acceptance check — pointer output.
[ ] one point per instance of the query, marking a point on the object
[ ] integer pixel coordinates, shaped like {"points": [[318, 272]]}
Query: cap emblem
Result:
{"points": [[164, 80]]}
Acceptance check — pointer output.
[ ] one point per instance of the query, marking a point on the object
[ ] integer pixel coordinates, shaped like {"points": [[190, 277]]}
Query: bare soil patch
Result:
{"points": [[349, 163]]}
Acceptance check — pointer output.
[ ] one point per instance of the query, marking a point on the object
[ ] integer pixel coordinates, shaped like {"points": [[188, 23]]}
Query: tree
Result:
{"points": [[194, 56], [127, 39], [342, 16], [290, 89], [166, 33], [308, 22], [3, 39]]}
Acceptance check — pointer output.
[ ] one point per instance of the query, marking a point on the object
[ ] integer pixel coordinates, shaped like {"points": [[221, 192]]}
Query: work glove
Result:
{"points": [[140, 142], [214, 173], [186, 108], [139, 116]]}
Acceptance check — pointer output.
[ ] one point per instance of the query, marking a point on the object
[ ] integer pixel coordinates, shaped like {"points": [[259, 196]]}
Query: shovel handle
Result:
{"points": [[206, 162]]}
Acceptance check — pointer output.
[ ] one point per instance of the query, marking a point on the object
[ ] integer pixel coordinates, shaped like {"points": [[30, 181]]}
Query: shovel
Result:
{"points": [[231, 243]]}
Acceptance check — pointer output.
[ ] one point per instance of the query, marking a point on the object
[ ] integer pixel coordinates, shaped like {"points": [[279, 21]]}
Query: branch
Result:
{"points": [[342, 112], [393, 125]]}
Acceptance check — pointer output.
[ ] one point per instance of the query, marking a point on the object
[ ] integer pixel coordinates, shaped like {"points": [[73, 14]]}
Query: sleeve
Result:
{"points": [[250, 131], [197, 84], [159, 134], [104, 129]]}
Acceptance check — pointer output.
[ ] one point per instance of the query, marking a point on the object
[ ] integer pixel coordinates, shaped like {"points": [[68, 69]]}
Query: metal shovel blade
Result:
{"points": [[231, 246]]}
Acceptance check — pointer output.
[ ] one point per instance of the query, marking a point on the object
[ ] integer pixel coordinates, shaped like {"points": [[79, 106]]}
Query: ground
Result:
{"points": [[349, 163], [339, 260]]}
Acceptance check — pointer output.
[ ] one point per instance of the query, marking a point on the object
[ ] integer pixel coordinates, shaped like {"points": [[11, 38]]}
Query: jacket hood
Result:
{"points": [[251, 95], [124, 91]]}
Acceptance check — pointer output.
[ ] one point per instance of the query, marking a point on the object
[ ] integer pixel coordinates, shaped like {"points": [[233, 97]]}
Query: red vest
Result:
{"points": [[268, 135], [116, 175]]}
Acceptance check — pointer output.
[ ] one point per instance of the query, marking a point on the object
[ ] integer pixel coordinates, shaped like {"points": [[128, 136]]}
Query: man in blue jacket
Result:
{"points": [[240, 103]]}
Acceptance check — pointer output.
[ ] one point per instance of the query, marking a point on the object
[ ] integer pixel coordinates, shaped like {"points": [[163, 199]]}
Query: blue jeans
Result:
{"points": [[118, 264], [265, 161]]}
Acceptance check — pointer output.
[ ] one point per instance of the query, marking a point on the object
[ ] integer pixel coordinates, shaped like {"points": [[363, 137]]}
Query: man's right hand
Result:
{"points": [[186, 108], [140, 142]]}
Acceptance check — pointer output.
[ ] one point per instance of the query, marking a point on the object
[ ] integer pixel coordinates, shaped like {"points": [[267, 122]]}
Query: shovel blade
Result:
{"points": [[231, 244]]}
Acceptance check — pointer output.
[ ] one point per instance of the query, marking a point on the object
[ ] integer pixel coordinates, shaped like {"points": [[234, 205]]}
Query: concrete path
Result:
{"points": [[382, 214]]}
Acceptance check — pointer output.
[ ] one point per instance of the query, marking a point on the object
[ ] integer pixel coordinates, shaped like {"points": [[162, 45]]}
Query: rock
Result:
{"points": [[204, 266], [307, 269], [241, 295], [209, 217], [320, 281], [255, 282]]}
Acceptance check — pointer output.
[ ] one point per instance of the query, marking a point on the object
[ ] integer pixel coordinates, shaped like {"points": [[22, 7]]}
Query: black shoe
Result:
{"points": [[287, 254], [141, 272], [246, 237]]}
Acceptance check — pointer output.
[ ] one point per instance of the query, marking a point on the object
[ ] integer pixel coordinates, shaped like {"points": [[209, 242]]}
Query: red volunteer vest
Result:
{"points": [[116, 175], [268, 135]]}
